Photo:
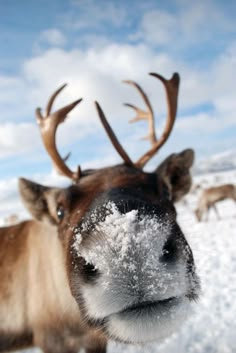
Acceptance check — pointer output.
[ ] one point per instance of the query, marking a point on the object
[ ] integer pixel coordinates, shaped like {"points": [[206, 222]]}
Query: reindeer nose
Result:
{"points": [[170, 251]]}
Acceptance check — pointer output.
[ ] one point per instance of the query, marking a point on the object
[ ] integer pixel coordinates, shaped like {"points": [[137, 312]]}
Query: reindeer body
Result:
{"points": [[209, 197], [103, 258], [36, 305]]}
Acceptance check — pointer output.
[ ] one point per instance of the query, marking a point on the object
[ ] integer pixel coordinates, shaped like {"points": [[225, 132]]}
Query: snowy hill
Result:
{"points": [[216, 163]]}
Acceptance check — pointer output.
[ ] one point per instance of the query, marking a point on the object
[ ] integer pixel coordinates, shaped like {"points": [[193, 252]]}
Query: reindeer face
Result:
{"points": [[130, 267], [132, 270]]}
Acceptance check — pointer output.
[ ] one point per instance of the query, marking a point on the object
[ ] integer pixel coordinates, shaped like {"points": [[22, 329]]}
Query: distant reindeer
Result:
{"points": [[103, 258], [209, 197], [11, 219], [195, 188]]}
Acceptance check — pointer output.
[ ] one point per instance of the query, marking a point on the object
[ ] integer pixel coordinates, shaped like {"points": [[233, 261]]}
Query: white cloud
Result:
{"points": [[53, 37], [97, 74], [16, 139], [157, 27], [93, 14], [193, 22], [12, 97], [202, 123], [10, 200]]}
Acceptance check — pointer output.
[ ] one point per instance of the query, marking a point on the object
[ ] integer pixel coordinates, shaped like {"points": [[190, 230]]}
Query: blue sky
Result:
{"points": [[94, 45]]}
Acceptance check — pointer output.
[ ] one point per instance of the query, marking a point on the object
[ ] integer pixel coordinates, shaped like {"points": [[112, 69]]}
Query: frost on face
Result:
{"points": [[126, 249]]}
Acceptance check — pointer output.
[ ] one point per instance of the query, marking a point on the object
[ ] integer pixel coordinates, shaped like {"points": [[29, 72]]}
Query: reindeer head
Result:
{"points": [[129, 266]]}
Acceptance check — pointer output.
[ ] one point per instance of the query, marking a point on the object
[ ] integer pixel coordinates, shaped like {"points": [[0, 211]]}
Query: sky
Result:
{"points": [[93, 46]]}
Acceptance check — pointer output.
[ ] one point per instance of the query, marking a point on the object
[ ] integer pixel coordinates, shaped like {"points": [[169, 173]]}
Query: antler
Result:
{"points": [[48, 126], [112, 136], [171, 88], [143, 115]]}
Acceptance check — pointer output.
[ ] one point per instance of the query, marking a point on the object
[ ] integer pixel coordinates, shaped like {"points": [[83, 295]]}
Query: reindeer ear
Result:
{"points": [[175, 172], [40, 201]]}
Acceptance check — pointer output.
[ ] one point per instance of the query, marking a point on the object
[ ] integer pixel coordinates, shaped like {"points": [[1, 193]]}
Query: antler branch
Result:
{"points": [[172, 89], [112, 136], [48, 125], [143, 115]]}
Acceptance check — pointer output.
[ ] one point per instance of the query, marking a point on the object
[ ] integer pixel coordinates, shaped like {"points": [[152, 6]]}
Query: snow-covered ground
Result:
{"points": [[217, 162], [212, 327]]}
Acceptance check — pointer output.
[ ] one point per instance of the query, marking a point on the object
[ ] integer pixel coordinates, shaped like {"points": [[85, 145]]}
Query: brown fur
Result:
{"points": [[209, 197], [38, 303]]}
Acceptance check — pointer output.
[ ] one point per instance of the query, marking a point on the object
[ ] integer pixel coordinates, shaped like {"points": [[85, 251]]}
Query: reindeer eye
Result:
{"points": [[60, 212]]}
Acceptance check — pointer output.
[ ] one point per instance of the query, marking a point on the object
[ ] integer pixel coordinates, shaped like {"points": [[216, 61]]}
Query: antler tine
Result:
{"points": [[143, 115], [52, 98], [171, 88], [112, 136], [48, 127]]}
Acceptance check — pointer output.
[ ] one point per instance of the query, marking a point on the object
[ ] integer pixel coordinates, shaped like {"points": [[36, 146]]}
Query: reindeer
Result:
{"points": [[11, 219], [103, 258], [209, 197]]}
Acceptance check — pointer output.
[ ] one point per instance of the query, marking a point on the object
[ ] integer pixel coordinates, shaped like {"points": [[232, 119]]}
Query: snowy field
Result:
{"points": [[212, 327]]}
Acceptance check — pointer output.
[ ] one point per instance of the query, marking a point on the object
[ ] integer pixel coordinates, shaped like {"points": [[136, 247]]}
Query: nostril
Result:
{"points": [[88, 271], [169, 251]]}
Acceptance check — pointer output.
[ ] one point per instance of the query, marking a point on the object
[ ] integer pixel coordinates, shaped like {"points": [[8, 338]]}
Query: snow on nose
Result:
{"points": [[136, 260]]}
